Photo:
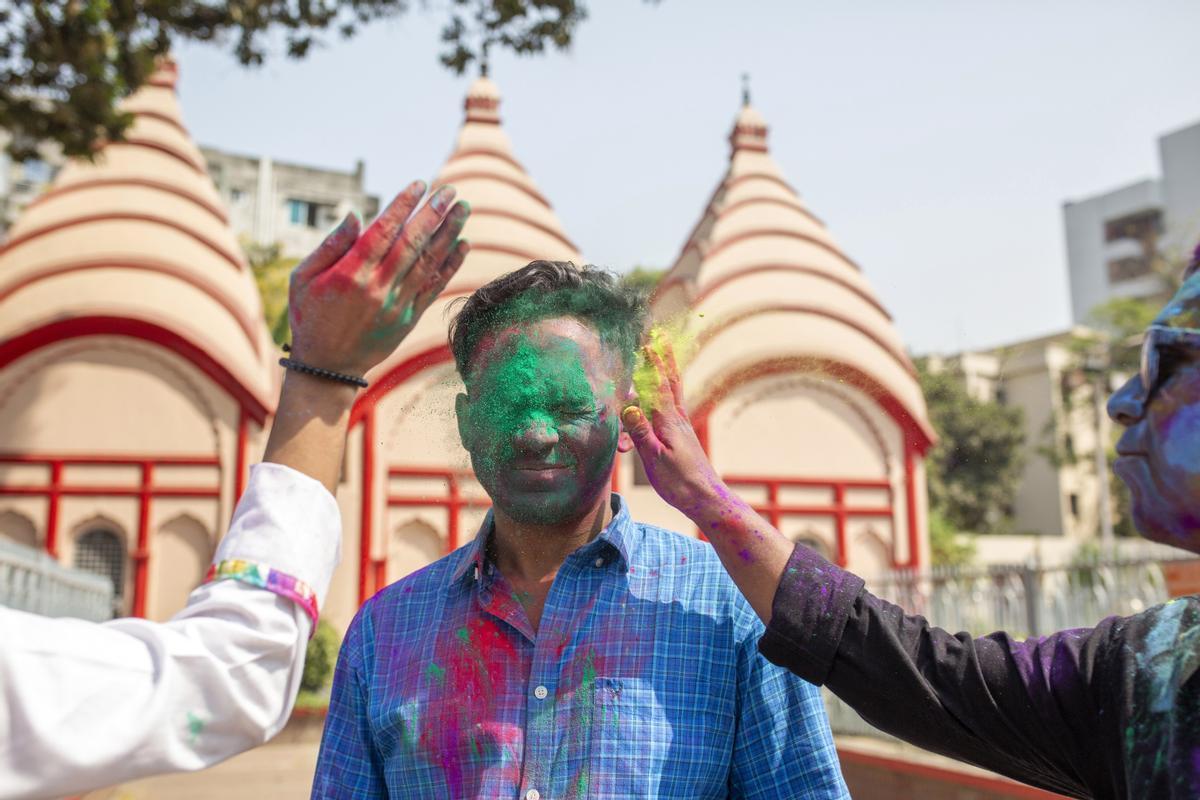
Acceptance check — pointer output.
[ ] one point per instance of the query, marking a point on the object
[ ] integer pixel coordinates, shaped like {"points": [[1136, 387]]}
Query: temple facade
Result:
{"points": [[137, 376]]}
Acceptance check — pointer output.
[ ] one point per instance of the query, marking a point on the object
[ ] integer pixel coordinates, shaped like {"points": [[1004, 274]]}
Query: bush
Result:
{"points": [[320, 658]]}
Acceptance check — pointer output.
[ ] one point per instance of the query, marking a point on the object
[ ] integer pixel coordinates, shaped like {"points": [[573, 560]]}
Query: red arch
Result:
{"points": [[916, 433], [189, 277], [802, 308], [124, 216], [78, 327], [364, 412], [918, 438]]}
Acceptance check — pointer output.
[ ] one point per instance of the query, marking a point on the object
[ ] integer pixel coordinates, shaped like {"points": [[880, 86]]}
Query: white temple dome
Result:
{"points": [[140, 234]]}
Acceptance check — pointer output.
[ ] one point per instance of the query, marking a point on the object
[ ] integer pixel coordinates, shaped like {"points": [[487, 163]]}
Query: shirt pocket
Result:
{"points": [[630, 739]]}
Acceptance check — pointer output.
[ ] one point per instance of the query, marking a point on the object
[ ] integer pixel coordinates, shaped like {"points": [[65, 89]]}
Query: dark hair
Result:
{"points": [[544, 289]]}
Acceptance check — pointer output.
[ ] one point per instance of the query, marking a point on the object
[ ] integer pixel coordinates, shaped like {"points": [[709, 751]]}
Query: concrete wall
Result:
{"points": [[1179, 153], [257, 192]]}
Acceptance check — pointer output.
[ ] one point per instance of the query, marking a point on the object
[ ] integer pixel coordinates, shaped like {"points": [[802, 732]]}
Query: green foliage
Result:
{"points": [[643, 279], [974, 468], [271, 274], [64, 64], [947, 547], [320, 658]]}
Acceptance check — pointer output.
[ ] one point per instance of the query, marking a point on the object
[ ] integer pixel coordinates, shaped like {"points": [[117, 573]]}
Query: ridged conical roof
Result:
{"points": [[759, 261], [511, 222], [140, 233]]}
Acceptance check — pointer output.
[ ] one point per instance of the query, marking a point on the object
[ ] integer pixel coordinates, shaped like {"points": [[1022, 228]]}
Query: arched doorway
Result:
{"points": [[101, 551]]}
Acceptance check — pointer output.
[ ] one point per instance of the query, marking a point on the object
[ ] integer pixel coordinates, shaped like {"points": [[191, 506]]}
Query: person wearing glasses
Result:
{"points": [[1104, 712], [86, 705]]}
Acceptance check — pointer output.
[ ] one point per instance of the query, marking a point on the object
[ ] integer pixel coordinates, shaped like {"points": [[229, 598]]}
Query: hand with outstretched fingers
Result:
{"points": [[355, 298], [752, 551], [350, 304], [675, 462]]}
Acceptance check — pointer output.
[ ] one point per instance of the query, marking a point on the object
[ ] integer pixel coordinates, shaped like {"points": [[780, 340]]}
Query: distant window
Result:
{"points": [[309, 215], [100, 552], [1074, 498], [1142, 229], [235, 195], [1001, 395]]}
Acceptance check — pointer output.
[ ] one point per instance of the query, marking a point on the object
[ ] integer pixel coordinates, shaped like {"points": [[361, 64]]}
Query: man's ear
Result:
{"points": [[461, 411], [624, 441]]}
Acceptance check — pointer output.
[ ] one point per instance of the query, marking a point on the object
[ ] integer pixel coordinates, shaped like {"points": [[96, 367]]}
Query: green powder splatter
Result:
{"points": [[195, 725], [434, 672], [646, 380], [464, 635]]}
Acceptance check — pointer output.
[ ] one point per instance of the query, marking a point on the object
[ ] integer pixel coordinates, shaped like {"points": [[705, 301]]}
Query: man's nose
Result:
{"points": [[1128, 404], [538, 434]]}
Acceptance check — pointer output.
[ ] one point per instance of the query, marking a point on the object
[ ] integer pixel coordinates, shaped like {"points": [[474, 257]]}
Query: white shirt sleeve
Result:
{"points": [[85, 705]]}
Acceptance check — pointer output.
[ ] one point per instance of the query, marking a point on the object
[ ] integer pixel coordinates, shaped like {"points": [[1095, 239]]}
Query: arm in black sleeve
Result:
{"points": [[1024, 709]]}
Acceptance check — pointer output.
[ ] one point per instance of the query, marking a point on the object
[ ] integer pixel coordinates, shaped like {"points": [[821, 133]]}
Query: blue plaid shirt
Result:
{"points": [[643, 680]]}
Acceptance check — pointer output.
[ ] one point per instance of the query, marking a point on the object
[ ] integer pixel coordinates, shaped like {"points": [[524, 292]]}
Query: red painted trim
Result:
{"points": [[141, 556], [189, 277], [484, 211], [816, 483], [760, 176], [485, 151], [776, 201], [147, 183], [368, 498], [784, 232], [239, 466], [395, 376], [707, 334], [489, 176], [52, 511], [954, 777], [78, 327], [524, 255], [110, 460], [148, 114], [910, 501], [380, 565], [454, 501], [149, 144], [913, 429], [716, 283], [125, 216], [162, 83], [107, 490], [839, 517]]}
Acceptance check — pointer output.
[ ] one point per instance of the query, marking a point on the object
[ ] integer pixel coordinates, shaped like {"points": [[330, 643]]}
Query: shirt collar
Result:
{"points": [[614, 538]]}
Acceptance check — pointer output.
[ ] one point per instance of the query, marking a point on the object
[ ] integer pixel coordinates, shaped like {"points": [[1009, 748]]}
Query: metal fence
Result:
{"points": [[31, 580], [1022, 599]]}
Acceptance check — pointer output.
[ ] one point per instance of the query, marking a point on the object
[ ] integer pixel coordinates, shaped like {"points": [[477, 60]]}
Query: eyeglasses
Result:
{"points": [[1157, 337]]}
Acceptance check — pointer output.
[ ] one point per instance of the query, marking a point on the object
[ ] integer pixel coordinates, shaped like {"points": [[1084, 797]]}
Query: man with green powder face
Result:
{"points": [[567, 651]]}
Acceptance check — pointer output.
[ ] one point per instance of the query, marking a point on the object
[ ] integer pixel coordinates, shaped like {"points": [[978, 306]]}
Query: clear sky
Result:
{"points": [[938, 140]]}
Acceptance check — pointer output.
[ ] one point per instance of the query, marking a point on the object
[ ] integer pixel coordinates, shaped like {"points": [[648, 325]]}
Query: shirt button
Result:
{"points": [[599, 562], [533, 794], [540, 692]]}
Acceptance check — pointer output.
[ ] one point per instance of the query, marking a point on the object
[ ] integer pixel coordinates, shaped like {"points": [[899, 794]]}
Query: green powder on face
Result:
{"points": [[528, 386]]}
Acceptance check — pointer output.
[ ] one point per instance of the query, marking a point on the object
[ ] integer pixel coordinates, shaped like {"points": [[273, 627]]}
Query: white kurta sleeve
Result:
{"points": [[85, 705]]}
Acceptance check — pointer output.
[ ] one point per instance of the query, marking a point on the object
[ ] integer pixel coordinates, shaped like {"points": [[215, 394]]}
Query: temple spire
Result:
{"points": [[745, 89]]}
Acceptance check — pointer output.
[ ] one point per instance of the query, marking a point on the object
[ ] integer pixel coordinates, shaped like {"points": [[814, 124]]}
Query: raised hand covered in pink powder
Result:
{"points": [[354, 299], [351, 303]]}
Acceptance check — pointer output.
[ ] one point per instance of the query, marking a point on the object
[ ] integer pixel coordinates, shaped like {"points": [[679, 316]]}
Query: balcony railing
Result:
{"points": [[1024, 600], [31, 580]]}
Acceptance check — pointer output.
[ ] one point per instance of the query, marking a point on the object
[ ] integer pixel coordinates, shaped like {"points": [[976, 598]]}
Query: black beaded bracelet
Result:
{"points": [[328, 374]]}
